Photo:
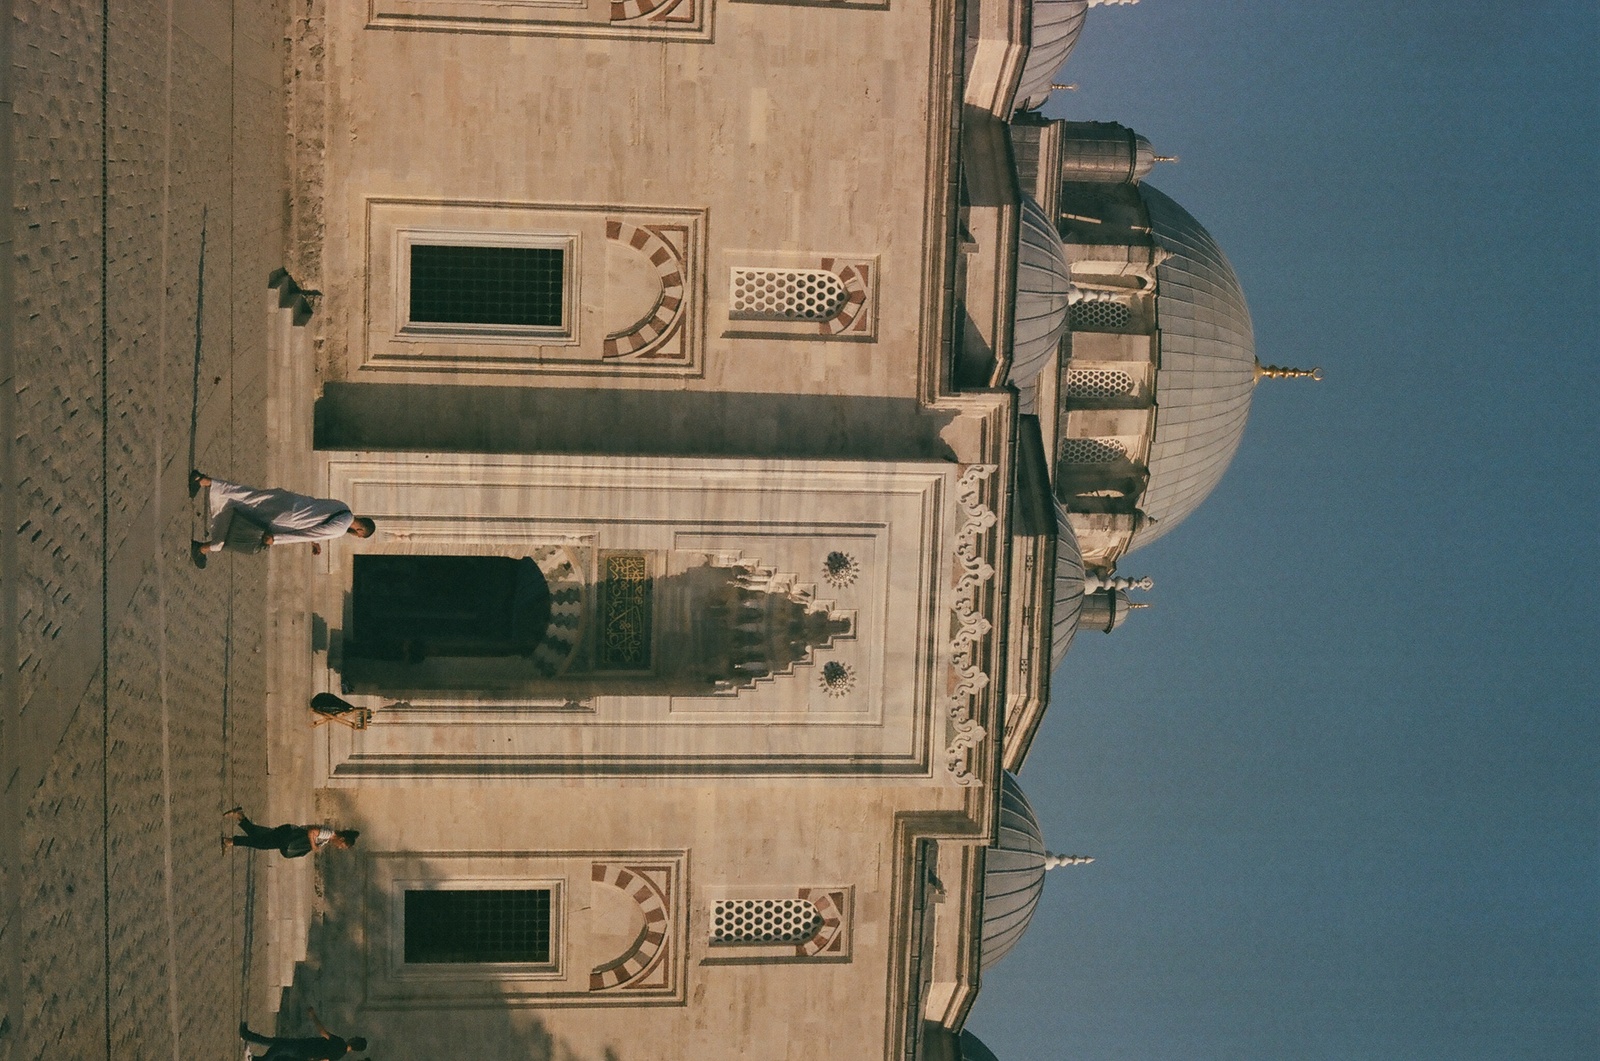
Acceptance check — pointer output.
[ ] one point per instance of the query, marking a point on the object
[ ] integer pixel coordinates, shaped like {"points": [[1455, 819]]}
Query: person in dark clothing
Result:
{"points": [[290, 841], [326, 1047]]}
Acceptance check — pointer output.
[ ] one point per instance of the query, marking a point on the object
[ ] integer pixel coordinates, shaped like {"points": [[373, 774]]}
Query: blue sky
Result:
{"points": [[1343, 779]]}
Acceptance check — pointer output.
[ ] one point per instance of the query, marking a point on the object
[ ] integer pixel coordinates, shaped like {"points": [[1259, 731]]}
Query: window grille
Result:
{"points": [[764, 921], [786, 295], [1100, 315], [473, 926], [507, 286], [1092, 451], [1098, 383]]}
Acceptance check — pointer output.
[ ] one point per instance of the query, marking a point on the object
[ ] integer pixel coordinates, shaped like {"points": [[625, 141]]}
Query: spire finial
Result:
{"points": [[1134, 605], [1055, 861], [1093, 582], [1277, 372], [1110, 3], [1063, 88], [1163, 158]]}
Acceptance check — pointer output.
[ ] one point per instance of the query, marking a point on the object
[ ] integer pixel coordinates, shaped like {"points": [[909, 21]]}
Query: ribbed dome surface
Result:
{"points": [[1013, 875], [1056, 25], [1068, 589], [1043, 282], [1207, 370], [972, 1049]]}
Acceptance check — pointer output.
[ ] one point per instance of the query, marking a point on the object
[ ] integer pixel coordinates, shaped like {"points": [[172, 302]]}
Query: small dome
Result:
{"points": [[1207, 370], [1068, 589], [1055, 28], [1043, 282], [1013, 875], [972, 1049]]}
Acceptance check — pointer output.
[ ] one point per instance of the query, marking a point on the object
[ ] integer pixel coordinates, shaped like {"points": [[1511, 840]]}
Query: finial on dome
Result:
{"points": [[1093, 582], [1110, 3], [1053, 861], [1063, 88], [1277, 372], [1163, 158], [1135, 605]]}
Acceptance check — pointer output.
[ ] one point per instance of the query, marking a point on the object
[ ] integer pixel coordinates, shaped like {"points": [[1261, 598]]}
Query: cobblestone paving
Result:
{"points": [[117, 816]]}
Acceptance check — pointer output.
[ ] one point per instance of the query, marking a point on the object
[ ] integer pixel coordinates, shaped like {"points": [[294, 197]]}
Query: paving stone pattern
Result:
{"points": [[197, 129]]}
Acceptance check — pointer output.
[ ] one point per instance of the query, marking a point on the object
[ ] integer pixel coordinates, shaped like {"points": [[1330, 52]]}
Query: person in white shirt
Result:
{"points": [[285, 517]]}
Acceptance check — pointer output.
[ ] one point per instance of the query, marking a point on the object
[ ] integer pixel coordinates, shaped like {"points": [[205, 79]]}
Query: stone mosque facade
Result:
{"points": [[755, 399]]}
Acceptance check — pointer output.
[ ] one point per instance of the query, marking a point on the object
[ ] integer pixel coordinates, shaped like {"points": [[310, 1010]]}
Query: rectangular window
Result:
{"points": [[521, 287], [477, 927]]}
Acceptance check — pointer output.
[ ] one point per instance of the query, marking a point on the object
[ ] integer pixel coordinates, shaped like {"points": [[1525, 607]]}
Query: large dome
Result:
{"points": [[1056, 25], [1207, 370], [1013, 875], [972, 1049], [1044, 282], [1068, 589]]}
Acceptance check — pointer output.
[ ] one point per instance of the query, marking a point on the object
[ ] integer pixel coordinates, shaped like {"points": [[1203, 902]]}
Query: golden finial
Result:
{"points": [[1133, 605], [1277, 372], [1063, 88], [1163, 158]]}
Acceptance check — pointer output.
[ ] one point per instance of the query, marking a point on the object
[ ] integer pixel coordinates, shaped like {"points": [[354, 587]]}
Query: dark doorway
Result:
{"points": [[408, 608]]}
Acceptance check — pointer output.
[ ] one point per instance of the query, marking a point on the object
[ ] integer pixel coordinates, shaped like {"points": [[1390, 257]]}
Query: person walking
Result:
{"points": [[282, 516], [290, 841], [326, 1047]]}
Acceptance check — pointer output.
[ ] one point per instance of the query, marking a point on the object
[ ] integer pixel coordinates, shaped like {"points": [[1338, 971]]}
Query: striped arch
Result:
{"points": [[830, 937], [857, 279], [650, 334], [649, 10], [568, 613], [649, 948]]}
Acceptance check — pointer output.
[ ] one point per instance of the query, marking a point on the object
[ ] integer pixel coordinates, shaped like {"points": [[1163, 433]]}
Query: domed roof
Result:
{"points": [[1013, 875], [1068, 589], [1056, 25], [1207, 370], [1043, 282], [972, 1049]]}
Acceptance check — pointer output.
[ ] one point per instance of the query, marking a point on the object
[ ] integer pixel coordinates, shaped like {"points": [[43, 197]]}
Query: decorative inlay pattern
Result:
{"points": [[764, 921], [625, 612], [1092, 451], [645, 964], [653, 337], [653, 11], [831, 904], [967, 648], [837, 678], [857, 280], [564, 635], [1098, 383], [840, 569]]}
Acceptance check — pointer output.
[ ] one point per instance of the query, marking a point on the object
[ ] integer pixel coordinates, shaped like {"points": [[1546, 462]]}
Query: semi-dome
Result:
{"points": [[1055, 28], [1069, 589], [1044, 281], [1013, 875], [972, 1049], [1207, 370]]}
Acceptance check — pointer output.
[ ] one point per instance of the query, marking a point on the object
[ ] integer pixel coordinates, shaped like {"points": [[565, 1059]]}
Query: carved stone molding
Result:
{"points": [[968, 648]]}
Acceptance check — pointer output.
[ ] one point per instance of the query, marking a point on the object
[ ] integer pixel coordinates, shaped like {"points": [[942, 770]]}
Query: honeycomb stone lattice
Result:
{"points": [[1098, 383], [786, 295], [1100, 315], [764, 921], [1092, 451]]}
